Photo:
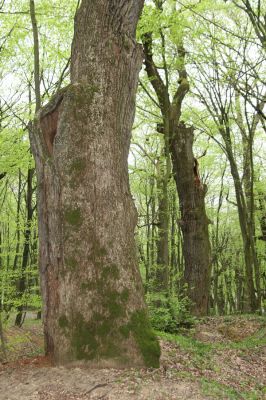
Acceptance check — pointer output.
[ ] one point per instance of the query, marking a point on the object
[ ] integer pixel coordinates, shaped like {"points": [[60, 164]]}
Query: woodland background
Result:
{"points": [[225, 47], [204, 60]]}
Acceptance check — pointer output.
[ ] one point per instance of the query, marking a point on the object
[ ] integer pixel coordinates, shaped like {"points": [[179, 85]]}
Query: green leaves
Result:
{"points": [[14, 151]]}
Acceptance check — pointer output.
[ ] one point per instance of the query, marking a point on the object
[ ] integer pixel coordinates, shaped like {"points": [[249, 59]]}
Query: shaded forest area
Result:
{"points": [[196, 168]]}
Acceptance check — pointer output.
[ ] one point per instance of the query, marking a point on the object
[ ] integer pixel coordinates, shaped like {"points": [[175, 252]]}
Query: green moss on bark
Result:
{"points": [[110, 271], [115, 308], [124, 295], [81, 94], [78, 165], [96, 338], [83, 339], [103, 326], [71, 263], [87, 285], [100, 251], [111, 351], [63, 322], [73, 217], [145, 338], [101, 336], [125, 331]]}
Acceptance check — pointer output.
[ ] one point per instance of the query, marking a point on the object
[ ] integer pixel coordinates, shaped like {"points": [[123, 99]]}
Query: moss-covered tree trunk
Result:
{"points": [[94, 309]]}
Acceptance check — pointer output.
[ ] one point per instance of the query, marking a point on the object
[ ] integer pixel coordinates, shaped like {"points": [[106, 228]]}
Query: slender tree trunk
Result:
{"points": [[162, 268], [229, 291], [2, 337], [262, 215], [94, 308], [3, 356], [148, 245], [21, 285], [239, 279], [221, 297], [36, 51], [153, 230], [149, 234], [173, 259], [194, 221], [215, 245], [180, 257], [16, 258], [251, 304], [248, 184], [215, 283]]}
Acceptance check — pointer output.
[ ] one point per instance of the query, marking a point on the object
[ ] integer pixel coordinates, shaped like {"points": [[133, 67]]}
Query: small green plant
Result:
{"points": [[169, 313]]}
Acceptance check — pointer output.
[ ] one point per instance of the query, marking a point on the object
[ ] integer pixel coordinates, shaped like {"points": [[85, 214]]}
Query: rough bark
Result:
{"points": [[21, 284], [150, 211], [248, 183], [262, 217], [248, 131], [251, 301], [194, 221], [94, 309], [161, 273], [174, 246]]}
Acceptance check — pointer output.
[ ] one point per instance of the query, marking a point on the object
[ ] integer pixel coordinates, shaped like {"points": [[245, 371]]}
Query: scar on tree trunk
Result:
{"points": [[197, 180], [49, 119]]}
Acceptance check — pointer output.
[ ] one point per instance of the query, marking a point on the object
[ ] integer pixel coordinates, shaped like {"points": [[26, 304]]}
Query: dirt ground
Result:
{"points": [[222, 358]]}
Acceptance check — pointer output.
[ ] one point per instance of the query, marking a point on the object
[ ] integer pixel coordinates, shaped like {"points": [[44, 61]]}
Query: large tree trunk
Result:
{"points": [[94, 307], [194, 221]]}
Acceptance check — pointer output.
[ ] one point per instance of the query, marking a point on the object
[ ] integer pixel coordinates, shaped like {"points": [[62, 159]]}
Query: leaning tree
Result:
{"points": [[94, 308]]}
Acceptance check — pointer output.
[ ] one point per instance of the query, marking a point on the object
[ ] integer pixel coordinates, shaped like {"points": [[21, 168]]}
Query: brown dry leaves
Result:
{"points": [[181, 375]]}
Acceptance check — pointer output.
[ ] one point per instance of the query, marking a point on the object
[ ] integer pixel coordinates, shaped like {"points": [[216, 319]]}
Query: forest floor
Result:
{"points": [[220, 358]]}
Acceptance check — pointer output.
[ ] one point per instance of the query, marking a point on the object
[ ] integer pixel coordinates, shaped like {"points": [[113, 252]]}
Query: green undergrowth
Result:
{"points": [[168, 313], [199, 352], [217, 390], [258, 339], [210, 361], [187, 343], [23, 343]]}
